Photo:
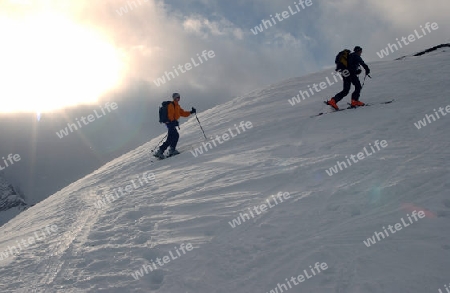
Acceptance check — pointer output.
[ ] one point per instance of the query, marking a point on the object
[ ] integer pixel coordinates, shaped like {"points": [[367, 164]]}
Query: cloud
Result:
{"points": [[155, 36], [205, 28], [374, 24]]}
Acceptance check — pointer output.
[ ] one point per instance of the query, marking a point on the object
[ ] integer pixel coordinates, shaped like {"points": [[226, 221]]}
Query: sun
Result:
{"points": [[48, 62]]}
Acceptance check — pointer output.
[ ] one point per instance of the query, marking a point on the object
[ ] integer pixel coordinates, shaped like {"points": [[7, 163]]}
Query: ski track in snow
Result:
{"points": [[326, 218]]}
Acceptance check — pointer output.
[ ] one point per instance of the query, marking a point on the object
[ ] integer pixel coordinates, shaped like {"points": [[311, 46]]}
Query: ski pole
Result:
{"points": [[367, 75], [201, 126], [159, 143]]}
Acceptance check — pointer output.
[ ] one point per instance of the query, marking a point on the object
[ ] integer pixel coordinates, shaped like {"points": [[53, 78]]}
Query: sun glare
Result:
{"points": [[48, 62]]}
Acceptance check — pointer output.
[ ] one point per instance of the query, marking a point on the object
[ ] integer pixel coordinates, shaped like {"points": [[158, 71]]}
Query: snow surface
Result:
{"points": [[326, 219]]}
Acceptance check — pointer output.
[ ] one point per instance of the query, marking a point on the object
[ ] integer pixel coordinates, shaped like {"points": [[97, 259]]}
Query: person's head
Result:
{"points": [[358, 50], [176, 97]]}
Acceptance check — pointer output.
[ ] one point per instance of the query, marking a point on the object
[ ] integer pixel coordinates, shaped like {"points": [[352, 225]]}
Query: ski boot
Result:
{"points": [[356, 103], [159, 154], [173, 152], [333, 104]]}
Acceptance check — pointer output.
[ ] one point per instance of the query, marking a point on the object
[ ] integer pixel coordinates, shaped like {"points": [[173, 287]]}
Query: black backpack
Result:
{"points": [[163, 112], [341, 60]]}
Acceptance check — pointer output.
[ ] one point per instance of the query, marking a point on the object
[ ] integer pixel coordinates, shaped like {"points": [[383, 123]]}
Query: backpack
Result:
{"points": [[341, 60], [163, 111]]}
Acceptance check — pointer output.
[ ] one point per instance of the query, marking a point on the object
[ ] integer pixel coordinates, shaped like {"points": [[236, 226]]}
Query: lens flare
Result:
{"points": [[375, 194], [49, 62], [410, 207]]}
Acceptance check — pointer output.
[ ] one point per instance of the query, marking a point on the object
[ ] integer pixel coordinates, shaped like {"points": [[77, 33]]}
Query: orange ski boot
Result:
{"points": [[333, 104], [356, 103]]}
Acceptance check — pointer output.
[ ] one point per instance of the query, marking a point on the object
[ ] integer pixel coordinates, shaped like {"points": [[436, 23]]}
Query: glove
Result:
{"points": [[193, 110], [367, 71]]}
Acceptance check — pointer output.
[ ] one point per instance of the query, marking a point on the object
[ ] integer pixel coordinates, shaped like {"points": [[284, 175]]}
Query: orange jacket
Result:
{"points": [[174, 111]]}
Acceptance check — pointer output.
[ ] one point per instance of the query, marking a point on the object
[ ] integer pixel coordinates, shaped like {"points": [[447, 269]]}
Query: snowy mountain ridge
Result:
{"points": [[325, 221], [11, 203]]}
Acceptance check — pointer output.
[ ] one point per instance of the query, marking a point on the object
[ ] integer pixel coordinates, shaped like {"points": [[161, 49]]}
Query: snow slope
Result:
{"points": [[325, 220]]}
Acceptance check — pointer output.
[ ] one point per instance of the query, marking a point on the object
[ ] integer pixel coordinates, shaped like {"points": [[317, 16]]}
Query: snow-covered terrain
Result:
{"points": [[176, 215]]}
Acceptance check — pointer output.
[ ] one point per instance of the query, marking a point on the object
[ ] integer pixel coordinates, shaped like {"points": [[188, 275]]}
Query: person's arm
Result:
{"points": [[184, 113], [363, 64]]}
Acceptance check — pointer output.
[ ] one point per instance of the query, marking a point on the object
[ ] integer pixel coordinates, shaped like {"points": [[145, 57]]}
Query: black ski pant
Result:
{"points": [[172, 136], [348, 81]]}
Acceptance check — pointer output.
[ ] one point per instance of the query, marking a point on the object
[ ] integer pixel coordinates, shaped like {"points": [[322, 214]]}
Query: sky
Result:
{"points": [[62, 53]]}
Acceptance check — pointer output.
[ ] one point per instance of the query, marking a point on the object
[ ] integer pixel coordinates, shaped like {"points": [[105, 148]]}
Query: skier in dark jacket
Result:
{"points": [[350, 76], [174, 112]]}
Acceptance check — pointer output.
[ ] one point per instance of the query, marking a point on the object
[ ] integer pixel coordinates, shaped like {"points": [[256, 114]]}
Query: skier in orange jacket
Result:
{"points": [[174, 112]]}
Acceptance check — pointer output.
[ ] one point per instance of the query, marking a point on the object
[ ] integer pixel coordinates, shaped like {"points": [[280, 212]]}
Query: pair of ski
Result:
{"points": [[166, 157], [351, 107], [181, 150]]}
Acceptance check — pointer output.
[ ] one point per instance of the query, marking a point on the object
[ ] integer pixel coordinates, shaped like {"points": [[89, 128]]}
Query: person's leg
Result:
{"points": [[175, 137], [357, 84], [171, 132], [345, 90]]}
